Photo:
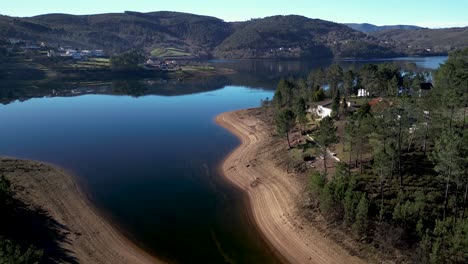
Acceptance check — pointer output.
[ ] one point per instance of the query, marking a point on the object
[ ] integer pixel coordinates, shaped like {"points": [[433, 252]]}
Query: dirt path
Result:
{"points": [[88, 237], [273, 194]]}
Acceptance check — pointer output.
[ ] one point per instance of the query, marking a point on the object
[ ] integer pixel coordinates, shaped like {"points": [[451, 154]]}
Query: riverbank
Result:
{"points": [[85, 237], [274, 194], [40, 71]]}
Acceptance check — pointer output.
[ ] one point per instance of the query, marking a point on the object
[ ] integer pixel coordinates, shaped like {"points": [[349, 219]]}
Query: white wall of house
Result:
{"points": [[362, 93], [323, 111]]}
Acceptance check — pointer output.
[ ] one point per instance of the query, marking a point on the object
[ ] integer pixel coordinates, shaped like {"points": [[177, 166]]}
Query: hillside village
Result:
{"points": [[71, 58], [42, 48]]}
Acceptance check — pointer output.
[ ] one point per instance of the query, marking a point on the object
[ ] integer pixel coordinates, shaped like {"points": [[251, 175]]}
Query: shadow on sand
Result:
{"points": [[28, 226]]}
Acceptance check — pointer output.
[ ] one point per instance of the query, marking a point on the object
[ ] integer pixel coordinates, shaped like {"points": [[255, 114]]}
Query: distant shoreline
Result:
{"points": [[272, 194], [39, 72], [89, 237]]}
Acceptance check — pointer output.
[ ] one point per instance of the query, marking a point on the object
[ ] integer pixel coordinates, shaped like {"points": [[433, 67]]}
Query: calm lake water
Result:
{"points": [[148, 151]]}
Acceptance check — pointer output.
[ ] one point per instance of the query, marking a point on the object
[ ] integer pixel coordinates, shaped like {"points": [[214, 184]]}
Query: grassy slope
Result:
{"points": [[170, 52]]}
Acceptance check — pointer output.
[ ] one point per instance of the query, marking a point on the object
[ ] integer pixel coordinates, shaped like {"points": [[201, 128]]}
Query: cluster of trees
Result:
{"points": [[340, 199], [11, 252], [127, 61], [404, 182], [386, 79]]}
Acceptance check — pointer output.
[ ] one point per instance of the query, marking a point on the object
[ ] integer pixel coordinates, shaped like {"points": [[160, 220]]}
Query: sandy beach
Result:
{"points": [[88, 238], [273, 194]]}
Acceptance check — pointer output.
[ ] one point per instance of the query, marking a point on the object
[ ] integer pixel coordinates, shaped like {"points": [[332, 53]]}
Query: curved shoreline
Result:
{"points": [[89, 237], [272, 195]]}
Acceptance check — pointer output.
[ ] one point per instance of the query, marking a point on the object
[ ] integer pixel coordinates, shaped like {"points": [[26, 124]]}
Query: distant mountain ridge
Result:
{"points": [[195, 36], [366, 27], [299, 37], [425, 41], [190, 36]]}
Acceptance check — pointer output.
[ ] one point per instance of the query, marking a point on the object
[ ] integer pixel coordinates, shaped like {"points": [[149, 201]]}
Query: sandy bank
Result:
{"points": [[88, 237], [273, 194]]}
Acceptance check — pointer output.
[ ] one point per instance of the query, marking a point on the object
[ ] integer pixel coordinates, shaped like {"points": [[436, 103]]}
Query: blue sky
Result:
{"points": [[428, 13]]}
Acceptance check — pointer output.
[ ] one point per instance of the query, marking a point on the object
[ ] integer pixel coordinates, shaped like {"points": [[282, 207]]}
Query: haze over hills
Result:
{"points": [[366, 27], [182, 35], [420, 41]]}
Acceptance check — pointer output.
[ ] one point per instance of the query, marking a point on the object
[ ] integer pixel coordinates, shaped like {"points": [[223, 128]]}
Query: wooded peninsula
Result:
{"points": [[384, 149]]}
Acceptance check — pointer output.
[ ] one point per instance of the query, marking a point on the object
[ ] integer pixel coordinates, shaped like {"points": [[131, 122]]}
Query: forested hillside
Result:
{"points": [[185, 35], [297, 36], [425, 41], [197, 36], [401, 182]]}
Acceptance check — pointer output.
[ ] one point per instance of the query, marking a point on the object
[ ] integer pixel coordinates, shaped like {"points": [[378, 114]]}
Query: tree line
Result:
{"points": [[402, 182]]}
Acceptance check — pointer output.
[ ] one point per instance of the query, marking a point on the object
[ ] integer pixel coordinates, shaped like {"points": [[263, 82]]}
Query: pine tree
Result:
{"points": [[336, 105], [285, 121], [449, 162], [362, 211], [326, 136], [300, 111]]}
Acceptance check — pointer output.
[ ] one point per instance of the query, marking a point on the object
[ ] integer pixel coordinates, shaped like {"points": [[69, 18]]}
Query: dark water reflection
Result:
{"points": [[150, 162], [266, 73], [148, 151]]}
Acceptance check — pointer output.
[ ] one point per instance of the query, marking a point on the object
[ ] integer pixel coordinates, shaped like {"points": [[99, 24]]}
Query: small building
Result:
{"points": [[98, 53], [321, 109], [15, 41], [86, 53], [350, 103], [66, 48], [76, 55], [324, 110], [51, 53], [362, 93], [153, 62]]}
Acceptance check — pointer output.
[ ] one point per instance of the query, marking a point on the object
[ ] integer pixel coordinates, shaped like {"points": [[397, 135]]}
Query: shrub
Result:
{"points": [[11, 253], [317, 182], [327, 201]]}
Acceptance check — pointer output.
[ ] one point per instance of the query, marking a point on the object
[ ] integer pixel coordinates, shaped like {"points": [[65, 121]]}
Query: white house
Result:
{"points": [[66, 48], [98, 53], [362, 93], [86, 53], [51, 53], [321, 109], [76, 55]]}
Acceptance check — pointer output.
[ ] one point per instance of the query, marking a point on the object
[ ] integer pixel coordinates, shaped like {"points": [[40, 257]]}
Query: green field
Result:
{"points": [[94, 63], [170, 52]]}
